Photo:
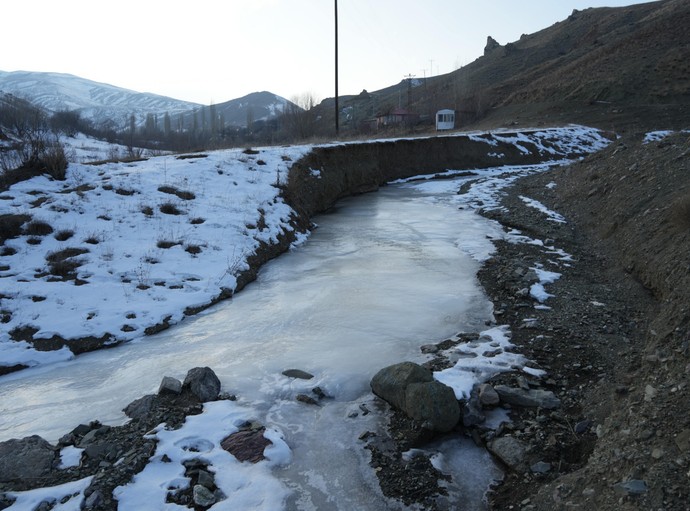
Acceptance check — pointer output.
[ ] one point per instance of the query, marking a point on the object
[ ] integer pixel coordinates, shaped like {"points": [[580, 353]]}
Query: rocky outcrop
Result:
{"points": [[412, 389], [203, 383], [29, 458]]}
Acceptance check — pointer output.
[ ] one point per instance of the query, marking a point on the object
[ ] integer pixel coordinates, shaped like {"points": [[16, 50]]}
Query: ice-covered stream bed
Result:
{"points": [[382, 275]]}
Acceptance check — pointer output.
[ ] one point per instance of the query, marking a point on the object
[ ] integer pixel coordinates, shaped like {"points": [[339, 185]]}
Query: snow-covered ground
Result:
{"points": [[146, 239]]}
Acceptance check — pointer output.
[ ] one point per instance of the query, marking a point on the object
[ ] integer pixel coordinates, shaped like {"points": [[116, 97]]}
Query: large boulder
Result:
{"points": [[29, 458], [412, 389], [434, 404], [203, 383], [391, 382]]}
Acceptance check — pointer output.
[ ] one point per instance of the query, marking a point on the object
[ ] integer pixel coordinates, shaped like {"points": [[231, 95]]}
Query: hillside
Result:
{"points": [[613, 68]]}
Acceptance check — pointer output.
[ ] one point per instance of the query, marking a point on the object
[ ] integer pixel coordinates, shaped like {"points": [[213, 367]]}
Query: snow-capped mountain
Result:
{"points": [[99, 102], [257, 106], [110, 106]]}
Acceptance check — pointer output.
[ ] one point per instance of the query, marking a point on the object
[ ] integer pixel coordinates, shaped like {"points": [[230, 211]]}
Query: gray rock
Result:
{"points": [[29, 458], [510, 451], [434, 404], [203, 496], [140, 407], [472, 414], [682, 440], [488, 395], [631, 487], [203, 383], [303, 398], [170, 385], [94, 500], [391, 382], [534, 398], [297, 373], [541, 467], [206, 479], [412, 389]]}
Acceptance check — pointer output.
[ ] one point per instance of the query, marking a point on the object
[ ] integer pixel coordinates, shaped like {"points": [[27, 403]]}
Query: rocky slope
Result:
{"points": [[615, 341]]}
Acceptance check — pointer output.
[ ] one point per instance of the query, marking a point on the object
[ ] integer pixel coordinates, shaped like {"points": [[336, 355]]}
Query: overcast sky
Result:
{"points": [[213, 51]]}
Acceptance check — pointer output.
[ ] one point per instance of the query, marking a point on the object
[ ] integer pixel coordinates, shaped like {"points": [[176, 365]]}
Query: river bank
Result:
{"points": [[609, 328]]}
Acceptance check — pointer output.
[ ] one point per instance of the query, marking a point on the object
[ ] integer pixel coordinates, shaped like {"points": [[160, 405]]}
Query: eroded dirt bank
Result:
{"points": [[329, 173], [615, 341]]}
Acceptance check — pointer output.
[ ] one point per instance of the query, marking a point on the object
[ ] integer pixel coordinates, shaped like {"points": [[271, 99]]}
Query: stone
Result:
{"points": [[202, 496], [434, 404], [29, 458], [391, 382], [682, 440], [247, 445], [534, 398], [303, 398], [510, 451], [412, 389], [298, 373], [541, 467], [488, 395], [140, 407], [206, 479], [472, 414], [94, 500], [631, 487], [170, 385], [203, 383], [583, 426]]}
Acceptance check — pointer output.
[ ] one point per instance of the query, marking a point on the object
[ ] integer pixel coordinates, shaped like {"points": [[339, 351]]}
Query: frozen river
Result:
{"points": [[382, 275]]}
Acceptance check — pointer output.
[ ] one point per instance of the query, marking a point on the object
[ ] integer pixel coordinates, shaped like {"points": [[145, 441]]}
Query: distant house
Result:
{"points": [[445, 120], [395, 117]]}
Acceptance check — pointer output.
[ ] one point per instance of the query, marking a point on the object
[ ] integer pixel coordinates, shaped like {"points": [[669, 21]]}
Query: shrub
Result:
{"points": [[167, 243], [170, 209], [38, 228], [65, 253], [193, 249], [197, 221], [63, 263], [11, 226], [147, 210], [182, 194], [64, 235]]}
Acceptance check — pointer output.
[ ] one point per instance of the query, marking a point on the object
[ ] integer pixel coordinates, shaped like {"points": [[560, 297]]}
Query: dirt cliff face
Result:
{"points": [[329, 173], [629, 226]]}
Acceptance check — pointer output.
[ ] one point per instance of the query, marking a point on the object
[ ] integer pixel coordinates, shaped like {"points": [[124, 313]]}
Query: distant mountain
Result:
{"points": [[254, 107], [101, 103], [110, 106]]}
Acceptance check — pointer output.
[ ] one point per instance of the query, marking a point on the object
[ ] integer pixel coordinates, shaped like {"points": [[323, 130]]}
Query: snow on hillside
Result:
{"points": [[99, 102], [133, 244]]}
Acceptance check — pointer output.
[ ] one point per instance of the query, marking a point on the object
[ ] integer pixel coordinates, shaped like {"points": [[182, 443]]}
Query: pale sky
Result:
{"points": [[213, 51]]}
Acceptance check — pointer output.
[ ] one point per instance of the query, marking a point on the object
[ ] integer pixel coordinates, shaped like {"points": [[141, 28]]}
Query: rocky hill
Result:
{"points": [[614, 68]]}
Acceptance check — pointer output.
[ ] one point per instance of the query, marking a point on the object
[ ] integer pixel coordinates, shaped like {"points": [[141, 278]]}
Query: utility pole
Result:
{"points": [[337, 124], [409, 77]]}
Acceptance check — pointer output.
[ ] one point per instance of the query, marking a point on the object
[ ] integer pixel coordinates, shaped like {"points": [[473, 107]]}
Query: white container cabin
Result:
{"points": [[445, 120]]}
